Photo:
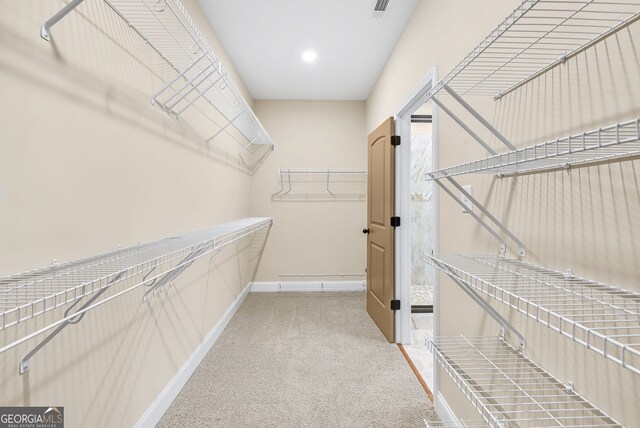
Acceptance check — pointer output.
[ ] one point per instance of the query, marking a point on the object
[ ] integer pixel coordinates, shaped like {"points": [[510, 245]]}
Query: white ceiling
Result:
{"points": [[265, 40]]}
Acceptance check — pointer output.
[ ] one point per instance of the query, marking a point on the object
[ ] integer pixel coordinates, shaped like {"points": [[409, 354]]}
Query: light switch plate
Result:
{"points": [[466, 200]]}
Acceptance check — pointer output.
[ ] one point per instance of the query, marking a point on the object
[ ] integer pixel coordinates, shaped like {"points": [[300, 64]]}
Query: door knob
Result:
{"points": [[365, 231]]}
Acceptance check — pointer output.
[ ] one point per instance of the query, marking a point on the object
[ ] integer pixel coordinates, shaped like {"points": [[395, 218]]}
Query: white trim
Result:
{"points": [[443, 410], [161, 404], [416, 97], [435, 144], [302, 286], [415, 100]]}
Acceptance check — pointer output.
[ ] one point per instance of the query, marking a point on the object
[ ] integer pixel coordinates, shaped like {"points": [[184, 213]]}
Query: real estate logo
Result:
{"points": [[32, 417]]}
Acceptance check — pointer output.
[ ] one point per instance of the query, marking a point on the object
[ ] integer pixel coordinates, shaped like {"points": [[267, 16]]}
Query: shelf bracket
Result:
{"points": [[45, 30], [459, 121], [328, 179], [504, 324], [480, 119], [159, 285], [495, 221], [503, 245], [24, 364]]}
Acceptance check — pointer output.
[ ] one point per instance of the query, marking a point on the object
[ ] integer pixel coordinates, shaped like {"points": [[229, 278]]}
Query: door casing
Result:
{"points": [[403, 208]]}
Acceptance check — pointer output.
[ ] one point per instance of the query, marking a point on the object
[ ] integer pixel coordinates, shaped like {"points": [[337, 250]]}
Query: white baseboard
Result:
{"points": [[444, 411], [160, 405], [303, 286]]}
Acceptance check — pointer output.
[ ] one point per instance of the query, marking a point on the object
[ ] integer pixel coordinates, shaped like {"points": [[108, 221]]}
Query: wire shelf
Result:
{"points": [[601, 317], [456, 424], [537, 36], [324, 276], [510, 390], [167, 27], [609, 143], [321, 184], [30, 294]]}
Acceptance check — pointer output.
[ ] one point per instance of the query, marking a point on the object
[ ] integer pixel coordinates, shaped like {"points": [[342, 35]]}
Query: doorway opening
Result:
{"points": [[422, 218], [422, 210]]}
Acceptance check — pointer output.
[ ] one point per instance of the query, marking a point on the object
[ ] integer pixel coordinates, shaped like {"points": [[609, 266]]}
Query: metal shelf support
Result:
{"points": [[495, 221], [463, 125], [45, 29], [24, 364], [504, 324], [479, 117]]}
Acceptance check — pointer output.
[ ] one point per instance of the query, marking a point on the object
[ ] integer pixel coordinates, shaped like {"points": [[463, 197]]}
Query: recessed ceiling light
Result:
{"points": [[309, 56]]}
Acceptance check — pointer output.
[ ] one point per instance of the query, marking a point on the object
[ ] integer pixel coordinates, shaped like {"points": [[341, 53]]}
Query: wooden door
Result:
{"points": [[380, 233]]}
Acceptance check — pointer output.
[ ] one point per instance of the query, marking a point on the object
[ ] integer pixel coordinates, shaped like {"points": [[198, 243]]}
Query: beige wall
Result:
{"points": [[584, 219], [312, 237], [87, 163]]}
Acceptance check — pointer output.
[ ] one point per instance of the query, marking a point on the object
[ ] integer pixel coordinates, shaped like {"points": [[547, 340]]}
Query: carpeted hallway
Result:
{"points": [[302, 360]]}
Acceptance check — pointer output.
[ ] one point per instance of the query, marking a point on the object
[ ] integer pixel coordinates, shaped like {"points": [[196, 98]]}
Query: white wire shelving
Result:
{"points": [[621, 140], [30, 294], [510, 390], [168, 29], [537, 36], [323, 276], [321, 184], [456, 424], [600, 317]]}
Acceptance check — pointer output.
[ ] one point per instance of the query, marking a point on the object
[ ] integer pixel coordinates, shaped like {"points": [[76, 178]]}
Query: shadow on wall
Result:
{"points": [[581, 218], [98, 353], [114, 73]]}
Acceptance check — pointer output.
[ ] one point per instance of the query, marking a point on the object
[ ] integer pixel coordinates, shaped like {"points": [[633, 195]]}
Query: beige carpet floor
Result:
{"points": [[301, 360]]}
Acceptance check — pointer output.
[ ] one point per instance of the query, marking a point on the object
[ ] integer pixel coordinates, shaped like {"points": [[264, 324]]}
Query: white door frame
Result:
{"points": [[403, 207]]}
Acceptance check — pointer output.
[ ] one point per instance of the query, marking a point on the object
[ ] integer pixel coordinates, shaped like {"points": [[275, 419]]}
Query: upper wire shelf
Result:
{"points": [[321, 184], [29, 294], [510, 390], [167, 27], [537, 36], [598, 316], [614, 142]]}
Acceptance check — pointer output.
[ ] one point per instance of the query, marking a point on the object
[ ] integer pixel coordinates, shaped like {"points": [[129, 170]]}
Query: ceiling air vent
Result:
{"points": [[379, 9], [381, 5]]}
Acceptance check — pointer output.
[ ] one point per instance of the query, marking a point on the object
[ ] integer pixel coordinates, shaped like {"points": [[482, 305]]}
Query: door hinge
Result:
{"points": [[395, 140], [395, 221], [395, 305]]}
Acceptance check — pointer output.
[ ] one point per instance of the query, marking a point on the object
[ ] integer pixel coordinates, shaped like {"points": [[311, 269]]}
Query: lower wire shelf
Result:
{"points": [[600, 317], [510, 390], [151, 266]]}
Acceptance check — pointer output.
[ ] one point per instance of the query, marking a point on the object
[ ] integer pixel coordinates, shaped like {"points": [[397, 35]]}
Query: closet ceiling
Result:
{"points": [[266, 39]]}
